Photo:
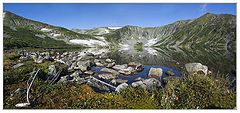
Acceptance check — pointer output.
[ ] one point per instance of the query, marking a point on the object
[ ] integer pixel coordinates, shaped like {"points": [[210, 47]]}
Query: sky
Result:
{"points": [[87, 16]]}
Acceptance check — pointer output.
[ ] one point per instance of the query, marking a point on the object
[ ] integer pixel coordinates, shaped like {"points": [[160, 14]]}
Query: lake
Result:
{"points": [[218, 61]]}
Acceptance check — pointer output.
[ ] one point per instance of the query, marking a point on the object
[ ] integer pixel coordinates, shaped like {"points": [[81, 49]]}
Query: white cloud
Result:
{"points": [[203, 8]]}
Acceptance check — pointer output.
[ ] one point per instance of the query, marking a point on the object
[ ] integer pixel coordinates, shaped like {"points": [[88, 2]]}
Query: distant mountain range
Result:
{"points": [[207, 31]]}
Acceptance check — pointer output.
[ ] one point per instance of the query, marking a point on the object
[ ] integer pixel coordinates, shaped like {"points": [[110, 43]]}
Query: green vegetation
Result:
{"points": [[23, 37], [138, 46]]}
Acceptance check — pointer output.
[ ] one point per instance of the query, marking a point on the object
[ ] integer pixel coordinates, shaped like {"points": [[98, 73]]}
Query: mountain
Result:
{"points": [[22, 32], [207, 31], [98, 30]]}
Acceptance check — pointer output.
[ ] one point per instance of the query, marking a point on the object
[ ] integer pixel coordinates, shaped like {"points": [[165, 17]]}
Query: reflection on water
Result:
{"points": [[216, 59]]}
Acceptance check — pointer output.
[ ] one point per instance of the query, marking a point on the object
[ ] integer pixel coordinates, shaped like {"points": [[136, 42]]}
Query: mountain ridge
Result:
{"points": [[216, 30]]}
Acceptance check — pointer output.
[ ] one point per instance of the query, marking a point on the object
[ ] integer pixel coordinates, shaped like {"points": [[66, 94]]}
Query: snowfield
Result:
{"points": [[90, 42], [151, 42], [114, 28]]}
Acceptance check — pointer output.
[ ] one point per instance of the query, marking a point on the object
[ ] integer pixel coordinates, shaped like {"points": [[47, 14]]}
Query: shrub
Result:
{"points": [[196, 91]]}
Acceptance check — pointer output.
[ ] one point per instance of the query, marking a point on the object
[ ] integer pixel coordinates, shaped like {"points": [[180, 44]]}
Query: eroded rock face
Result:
{"points": [[196, 67], [155, 73], [121, 87]]}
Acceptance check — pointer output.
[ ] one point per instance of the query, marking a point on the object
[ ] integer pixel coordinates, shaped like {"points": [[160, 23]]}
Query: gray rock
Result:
{"points": [[139, 84], [110, 65], [152, 83], [119, 67], [109, 60], [138, 79], [99, 64], [110, 71], [88, 72], [107, 76], [120, 81], [121, 87], [134, 64], [127, 71], [155, 73], [18, 65], [196, 67]]}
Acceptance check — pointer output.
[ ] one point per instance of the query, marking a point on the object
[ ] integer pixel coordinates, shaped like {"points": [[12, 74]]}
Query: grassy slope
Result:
{"points": [[24, 37]]}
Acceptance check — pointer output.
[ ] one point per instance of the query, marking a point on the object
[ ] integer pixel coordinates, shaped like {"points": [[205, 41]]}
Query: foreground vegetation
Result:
{"points": [[191, 91]]}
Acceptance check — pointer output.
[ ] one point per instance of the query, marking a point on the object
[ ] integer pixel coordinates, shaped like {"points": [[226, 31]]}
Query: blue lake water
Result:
{"points": [[143, 74]]}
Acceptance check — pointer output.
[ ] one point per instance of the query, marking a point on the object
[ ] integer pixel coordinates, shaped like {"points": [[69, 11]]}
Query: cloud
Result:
{"points": [[203, 8]]}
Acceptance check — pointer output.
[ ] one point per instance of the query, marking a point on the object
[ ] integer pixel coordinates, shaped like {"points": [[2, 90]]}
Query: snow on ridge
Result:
{"points": [[114, 28], [88, 42], [151, 42], [45, 30]]}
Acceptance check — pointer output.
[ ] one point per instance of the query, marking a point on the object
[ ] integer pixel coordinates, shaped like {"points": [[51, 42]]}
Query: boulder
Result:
{"points": [[133, 64], [152, 84], [127, 71], [119, 67], [109, 60], [139, 84], [138, 79], [121, 87], [99, 64], [137, 66], [110, 65], [155, 73], [118, 81], [196, 67], [88, 72], [110, 71], [107, 76]]}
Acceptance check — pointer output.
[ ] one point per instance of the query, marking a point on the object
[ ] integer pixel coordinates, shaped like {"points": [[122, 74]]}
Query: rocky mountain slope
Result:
{"points": [[209, 30]]}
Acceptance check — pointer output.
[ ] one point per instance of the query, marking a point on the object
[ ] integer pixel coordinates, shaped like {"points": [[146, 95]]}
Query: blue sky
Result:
{"points": [[85, 16]]}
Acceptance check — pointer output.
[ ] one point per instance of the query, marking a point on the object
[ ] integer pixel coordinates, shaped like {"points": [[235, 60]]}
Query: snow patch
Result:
{"points": [[45, 30], [88, 42], [114, 28], [151, 42], [56, 35]]}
